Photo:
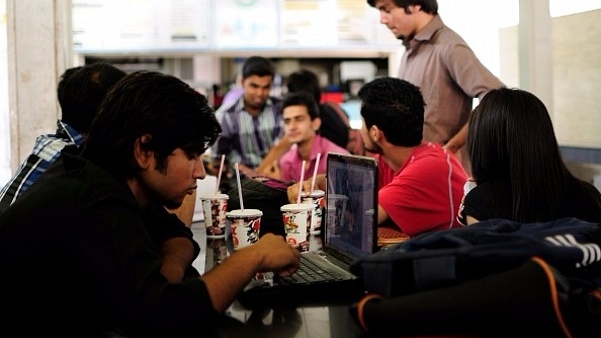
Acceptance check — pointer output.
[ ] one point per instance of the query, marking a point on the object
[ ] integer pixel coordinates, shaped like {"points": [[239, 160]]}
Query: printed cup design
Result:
{"points": [[245, 226], [317, 198], [214, 208], [297, 224], [218, 248], [336, 209]]}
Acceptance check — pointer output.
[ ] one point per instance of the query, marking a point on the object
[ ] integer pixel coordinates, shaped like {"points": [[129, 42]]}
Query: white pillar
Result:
{"points": [[39, 49], [536, 50]]}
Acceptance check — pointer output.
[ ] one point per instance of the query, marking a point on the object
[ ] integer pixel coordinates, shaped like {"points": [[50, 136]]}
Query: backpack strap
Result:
{"points": [[550, 273]]}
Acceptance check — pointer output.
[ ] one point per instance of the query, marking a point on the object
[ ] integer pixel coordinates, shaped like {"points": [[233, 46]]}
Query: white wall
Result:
{"points": [[5, 171]]}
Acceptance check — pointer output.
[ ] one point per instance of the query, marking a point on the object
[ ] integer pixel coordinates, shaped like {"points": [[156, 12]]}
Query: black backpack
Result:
{"points": [[487, 278]]}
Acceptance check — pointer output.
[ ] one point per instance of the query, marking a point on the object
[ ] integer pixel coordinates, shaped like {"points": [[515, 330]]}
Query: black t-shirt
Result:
{"points": [[333, 127], [493, 200], [77, 258]]}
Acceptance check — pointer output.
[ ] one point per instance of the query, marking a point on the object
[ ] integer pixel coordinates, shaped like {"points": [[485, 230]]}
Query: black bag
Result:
{"points": [[485, 279], [263, 193], [449, 257]]}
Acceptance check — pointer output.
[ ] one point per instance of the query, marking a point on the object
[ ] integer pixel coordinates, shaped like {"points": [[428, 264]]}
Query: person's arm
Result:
{"points": [[274, 154], [471, 220], [174, 240], [457, 141], [382, 215], [177, 255], [271, 253]]}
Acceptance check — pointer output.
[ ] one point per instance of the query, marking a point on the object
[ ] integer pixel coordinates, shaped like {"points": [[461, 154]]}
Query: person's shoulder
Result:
{"points": [[330, 146], [229, 107], [290, 156], [48, 145], [275, 103]]}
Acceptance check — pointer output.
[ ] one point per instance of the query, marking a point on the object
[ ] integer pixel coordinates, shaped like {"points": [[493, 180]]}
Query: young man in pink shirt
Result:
{"points": [[301, 123]]}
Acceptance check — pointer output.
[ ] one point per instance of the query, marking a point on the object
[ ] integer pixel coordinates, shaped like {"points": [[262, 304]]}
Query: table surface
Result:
{"points": [[300, 322]]}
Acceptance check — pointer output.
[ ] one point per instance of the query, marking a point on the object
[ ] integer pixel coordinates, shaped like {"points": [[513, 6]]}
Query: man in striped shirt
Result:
{"points": [[253, 124]]}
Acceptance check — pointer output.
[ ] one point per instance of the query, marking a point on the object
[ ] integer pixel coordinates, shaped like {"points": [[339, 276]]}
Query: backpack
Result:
{"points": [[355, 143], [483, 278]]}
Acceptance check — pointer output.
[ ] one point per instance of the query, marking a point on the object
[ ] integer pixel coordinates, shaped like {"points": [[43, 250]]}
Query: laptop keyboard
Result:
{"points": [[310, 272]]}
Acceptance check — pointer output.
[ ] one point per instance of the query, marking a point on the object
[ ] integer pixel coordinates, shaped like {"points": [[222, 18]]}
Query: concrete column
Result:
{"points": [[536, 50], [39, 50]]}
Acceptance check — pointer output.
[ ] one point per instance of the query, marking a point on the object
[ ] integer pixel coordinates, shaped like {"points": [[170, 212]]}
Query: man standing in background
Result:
{"points": [[441, 63]]}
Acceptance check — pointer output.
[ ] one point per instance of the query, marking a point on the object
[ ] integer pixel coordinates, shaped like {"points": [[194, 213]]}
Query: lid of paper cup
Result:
{"points": [[215, 196], [315, 193], [338, 196], [296, 206], [239, 213]]}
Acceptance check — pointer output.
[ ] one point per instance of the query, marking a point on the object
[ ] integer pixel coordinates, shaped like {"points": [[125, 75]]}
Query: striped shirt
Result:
{"points": [[246, 139], [46, 150]]}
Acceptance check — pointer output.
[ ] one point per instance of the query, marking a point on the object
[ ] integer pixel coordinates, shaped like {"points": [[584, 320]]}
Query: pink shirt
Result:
{"points": [[291, 163]]}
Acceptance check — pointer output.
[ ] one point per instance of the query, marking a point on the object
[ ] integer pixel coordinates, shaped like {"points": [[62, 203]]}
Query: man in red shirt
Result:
{"points": [[427, 186]]}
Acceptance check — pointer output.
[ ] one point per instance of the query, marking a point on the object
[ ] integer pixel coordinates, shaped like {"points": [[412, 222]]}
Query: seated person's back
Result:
{"points": [[517, 169]]}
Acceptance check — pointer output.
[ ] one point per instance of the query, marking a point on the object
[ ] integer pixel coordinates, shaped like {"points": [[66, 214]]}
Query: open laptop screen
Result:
{"points": [[351, 204]]}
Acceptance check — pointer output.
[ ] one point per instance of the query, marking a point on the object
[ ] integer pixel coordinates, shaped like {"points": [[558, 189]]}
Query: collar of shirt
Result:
{"points": [[67, 132], [425, 34]]}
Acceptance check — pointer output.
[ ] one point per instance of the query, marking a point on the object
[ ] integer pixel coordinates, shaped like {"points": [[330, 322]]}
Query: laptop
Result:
{"points": [[349, 233]]}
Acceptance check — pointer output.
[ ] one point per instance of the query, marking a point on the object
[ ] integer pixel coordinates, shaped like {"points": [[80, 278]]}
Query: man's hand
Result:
{"points": [[293, 190]]}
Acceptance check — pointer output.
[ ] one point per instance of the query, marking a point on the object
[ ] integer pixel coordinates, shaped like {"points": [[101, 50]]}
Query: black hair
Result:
{"points": [[396, 107], [257, 65], [304, 80], [511, 140], [427, 6], [81, 90], [162, 106], [302, 99]]}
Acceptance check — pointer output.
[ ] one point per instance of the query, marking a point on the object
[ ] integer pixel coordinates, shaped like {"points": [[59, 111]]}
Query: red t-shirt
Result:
{"points": [[425, 193]]}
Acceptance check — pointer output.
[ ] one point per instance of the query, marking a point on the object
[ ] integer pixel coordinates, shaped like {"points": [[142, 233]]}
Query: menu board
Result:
{"points": [[141, 24], [200, 25], [244, 24]]}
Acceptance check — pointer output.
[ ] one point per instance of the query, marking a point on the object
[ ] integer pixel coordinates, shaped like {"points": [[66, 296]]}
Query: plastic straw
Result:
{"points": [[219, 175], [315, 172], [300, 188], [239, 186]]}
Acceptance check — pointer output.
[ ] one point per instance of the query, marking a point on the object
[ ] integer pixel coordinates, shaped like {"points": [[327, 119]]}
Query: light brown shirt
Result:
{"points": [[449, 75]]}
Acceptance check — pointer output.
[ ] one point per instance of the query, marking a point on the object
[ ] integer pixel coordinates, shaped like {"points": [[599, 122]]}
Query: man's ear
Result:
{"points": [[375, 133], [143, 156], [316, 124]]}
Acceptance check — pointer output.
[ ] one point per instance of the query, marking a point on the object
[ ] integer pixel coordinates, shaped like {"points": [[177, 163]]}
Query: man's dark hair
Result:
{"points": [[396, 107], [81, 90], [257, 65], [304, 80], [302, 99], [428, 6], [149, 103]]}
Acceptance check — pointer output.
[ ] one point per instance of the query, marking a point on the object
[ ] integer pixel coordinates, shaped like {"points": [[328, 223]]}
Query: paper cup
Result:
{"points": [[336, 209], [214, 208], [317, 199], [297, 224], [244, 227]]}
